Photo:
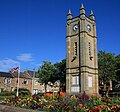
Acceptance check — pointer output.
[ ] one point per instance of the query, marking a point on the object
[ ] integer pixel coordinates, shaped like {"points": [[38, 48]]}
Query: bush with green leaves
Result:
{"points": [[7, 93], [23, 92]]}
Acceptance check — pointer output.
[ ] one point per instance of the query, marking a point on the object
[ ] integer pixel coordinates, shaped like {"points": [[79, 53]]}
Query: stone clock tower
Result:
{"points": [[81, 52]]}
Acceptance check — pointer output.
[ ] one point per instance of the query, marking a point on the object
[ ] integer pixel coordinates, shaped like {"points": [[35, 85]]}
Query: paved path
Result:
{"points": [[5, 108]]}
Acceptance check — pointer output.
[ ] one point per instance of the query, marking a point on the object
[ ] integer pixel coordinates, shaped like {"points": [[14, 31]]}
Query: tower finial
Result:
{"points": [[69, 12], [92, 15], [69, 16], [82, 6], [91, 12], [82, 10]]}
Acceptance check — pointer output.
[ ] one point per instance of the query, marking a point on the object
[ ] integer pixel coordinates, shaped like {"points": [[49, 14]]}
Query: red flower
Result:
{"points": [[84, 96]]}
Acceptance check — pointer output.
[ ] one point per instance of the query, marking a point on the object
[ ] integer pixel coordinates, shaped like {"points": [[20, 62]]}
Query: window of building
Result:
{"points": [[90, 54], [12, 88], [75, 80], [8, 81], [89, 49], [35, 91], [74, 89], [25, 82], [89, 81], [75, 49], [35, 82], [5, 80]]}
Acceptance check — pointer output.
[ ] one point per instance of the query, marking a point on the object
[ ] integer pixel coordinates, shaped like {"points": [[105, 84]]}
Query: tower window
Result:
{"points": [[90, 54], [75, 48], [89, 49], [89, 81], [75, 89], [75, 80]]}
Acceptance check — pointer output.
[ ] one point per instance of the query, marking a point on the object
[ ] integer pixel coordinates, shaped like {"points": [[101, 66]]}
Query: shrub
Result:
{"points": [[23, 92], [7, 93], [40, 94]]}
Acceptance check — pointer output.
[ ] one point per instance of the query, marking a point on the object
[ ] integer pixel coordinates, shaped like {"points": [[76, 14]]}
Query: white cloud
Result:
{"points": [[8, 64], [38, 65], [25, 57]]}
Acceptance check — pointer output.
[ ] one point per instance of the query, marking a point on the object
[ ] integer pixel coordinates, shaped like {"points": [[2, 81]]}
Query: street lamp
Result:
{"points": [[33, 81]]}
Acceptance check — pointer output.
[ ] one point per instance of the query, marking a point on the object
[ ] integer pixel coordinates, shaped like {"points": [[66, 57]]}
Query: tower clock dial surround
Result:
{"points": [[75, 27], [89, 28]]}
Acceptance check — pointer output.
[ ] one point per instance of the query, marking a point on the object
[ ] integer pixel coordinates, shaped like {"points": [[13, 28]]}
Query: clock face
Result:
{"points": [[75, 27], [88, 27]]}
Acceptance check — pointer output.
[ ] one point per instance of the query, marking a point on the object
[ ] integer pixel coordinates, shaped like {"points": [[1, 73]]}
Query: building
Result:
{"points": [[27, 80], [81, 54], [37, 86], [6, 82]]}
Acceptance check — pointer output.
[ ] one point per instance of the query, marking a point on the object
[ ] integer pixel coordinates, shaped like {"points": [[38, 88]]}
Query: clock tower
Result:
{"points": [[81, 54]]}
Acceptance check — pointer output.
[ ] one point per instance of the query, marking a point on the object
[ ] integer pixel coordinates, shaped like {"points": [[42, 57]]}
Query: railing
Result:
{"points": [[114, 94], [110, 94]]}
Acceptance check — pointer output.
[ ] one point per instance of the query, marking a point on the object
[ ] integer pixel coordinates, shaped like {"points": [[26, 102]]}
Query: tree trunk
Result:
{"points": [[45, 87], [110, 88]]}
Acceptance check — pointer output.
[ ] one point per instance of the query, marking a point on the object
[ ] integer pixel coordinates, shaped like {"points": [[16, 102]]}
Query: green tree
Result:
{"points": [[61, 72], [117, 60], [106, 67], [52, 72], [47, 72]]}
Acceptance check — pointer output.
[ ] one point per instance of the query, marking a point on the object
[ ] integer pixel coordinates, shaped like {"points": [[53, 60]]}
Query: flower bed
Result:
{"points": [[56, 103]]}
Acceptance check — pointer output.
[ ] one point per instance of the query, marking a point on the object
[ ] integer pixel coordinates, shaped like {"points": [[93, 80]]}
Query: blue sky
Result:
{"points": [[32, 31]]}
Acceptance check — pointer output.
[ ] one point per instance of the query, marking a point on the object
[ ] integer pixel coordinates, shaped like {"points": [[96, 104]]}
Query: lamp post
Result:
{"points": [[33, 81], [17, 93]]}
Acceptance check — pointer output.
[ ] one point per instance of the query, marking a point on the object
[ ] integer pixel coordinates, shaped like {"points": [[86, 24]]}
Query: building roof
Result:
{"points": [[31, 73], [6, 74], [26, 74], [22, 75]]}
